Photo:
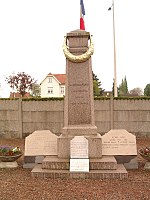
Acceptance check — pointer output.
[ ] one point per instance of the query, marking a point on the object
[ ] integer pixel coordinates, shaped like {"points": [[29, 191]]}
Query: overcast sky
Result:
{"points": [[32, 34]]}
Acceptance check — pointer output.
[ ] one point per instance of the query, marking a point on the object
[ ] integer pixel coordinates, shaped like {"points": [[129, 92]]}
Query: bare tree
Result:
{"points": [[21, 82], [136, 92]]}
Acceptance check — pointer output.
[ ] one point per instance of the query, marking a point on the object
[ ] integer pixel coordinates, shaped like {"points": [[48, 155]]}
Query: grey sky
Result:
{"points": [[32, 33]]}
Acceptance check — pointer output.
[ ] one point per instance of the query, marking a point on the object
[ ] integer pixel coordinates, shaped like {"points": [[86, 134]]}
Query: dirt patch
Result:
{"points": [[17, 184]]}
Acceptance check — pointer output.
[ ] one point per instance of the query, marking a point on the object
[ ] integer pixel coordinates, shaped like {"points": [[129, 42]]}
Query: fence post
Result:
{"points": [[111, 112], [20, 133]]}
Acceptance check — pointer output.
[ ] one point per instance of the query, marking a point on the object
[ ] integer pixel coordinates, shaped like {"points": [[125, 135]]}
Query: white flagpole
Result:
{"points": [[115, 73]]}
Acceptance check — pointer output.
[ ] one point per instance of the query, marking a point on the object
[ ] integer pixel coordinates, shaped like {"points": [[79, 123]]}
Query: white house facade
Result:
{"points": [[53, 85]]}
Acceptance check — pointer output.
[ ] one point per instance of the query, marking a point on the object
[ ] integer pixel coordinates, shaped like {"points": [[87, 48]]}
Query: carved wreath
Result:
{"points": [[79, 58]]}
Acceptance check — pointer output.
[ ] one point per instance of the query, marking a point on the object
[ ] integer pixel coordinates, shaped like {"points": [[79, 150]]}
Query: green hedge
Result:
{"points": [[133, 98], [62, 98], [36, 99]]}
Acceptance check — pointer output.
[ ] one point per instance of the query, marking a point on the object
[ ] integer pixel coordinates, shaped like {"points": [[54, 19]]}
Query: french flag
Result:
{"points": [[82, 13]]}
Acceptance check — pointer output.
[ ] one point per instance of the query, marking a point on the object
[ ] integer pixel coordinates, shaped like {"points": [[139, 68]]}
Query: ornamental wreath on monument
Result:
{"points": [[79, 58]]}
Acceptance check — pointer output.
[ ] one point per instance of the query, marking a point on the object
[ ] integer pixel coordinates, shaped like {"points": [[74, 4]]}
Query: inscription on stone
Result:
{"points": [[79, 111], [79, 93], [79, 147], [79, 165], [119, 142], [41, 143]]}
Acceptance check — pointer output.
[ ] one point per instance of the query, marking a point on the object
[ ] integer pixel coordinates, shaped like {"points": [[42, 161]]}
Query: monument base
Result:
{"points": [[94, 142], [104, 168], [79, 130], [8, 164]]}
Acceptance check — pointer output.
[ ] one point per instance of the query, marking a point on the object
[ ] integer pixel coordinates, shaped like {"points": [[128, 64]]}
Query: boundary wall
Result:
{"points": [[20, 118]]}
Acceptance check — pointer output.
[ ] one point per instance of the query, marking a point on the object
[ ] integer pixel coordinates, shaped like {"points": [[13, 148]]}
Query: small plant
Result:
{"points": [[146, 151], [7, 150]]}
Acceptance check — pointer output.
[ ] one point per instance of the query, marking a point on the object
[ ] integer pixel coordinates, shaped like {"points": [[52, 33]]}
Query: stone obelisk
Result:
{"points": [[79, 101], [79, 147]]}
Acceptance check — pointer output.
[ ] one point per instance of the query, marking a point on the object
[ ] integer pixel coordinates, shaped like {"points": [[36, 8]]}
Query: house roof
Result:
{"points": [[60, 77], [17, 95]]}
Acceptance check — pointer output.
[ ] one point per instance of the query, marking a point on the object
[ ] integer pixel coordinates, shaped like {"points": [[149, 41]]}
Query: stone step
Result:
{"points": [[74, 130], [55, 163], [119, 173]]}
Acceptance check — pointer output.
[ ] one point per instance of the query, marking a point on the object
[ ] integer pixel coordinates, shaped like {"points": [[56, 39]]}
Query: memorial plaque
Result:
{"points": [[40, 143], [79, 165], [119, 142], [79, 147]]}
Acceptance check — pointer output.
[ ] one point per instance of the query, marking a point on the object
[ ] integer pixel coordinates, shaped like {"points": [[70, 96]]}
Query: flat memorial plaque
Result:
{"points": [[79, 147], [79, 165], [42, 142], [119, 142]]}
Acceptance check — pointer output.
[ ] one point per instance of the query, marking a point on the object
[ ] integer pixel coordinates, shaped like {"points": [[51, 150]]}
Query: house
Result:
{"points": [[18, 95], [53, 85], [107, 93]]}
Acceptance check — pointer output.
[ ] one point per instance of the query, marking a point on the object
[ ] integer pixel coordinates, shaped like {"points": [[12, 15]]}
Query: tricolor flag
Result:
{"points": [[82, 13]]}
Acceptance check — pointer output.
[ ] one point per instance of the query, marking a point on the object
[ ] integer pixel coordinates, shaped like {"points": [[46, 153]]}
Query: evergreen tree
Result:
{"points": [[113, 89], [123, 87], [97, 90], [147, 90]]}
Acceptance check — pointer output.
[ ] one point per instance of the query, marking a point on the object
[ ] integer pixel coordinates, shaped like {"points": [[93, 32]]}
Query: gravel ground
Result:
{"points": [[17, 184]]}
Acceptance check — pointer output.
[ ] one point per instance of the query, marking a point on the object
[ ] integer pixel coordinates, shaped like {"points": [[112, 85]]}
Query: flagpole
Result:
{"points": [[114, 35]]}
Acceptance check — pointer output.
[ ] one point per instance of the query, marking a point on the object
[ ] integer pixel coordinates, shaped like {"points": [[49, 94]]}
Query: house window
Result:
{"points": [[50, 90], [62, 90], [50, 80]]}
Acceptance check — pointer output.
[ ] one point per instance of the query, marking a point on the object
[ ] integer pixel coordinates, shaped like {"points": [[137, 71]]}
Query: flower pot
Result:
{"points": [[144, 155], [10, 158]]}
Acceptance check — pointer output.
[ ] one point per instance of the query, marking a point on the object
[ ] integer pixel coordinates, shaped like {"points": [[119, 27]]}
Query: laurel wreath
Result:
{"points": [[79, 58]]}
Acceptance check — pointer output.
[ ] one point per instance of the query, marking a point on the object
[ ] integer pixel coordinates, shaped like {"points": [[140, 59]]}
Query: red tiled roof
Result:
{"points": [[17, 95], [60, 77]]}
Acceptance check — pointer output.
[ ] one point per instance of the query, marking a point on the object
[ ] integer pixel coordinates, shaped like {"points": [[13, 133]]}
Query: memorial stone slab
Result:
{"points": [[42, 142], [119, 142], [79, 147], [79, 165]]}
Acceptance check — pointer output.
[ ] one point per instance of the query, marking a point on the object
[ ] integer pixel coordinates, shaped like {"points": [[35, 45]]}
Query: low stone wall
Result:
{"points": [[10, 119], [42, 115], [19, 118]]}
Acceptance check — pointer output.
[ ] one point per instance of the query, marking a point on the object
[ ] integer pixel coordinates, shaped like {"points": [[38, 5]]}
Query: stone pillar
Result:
{"points": [[79, 101], [20, 131], [111, 112]]}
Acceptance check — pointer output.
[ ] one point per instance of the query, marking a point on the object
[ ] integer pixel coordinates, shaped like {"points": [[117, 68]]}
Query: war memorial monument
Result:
{"points": [[80, 151]]}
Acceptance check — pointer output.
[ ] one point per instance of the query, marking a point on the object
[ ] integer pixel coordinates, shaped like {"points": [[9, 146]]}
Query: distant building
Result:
{"points": [[53, 85], [107, 93], [18, 95]]}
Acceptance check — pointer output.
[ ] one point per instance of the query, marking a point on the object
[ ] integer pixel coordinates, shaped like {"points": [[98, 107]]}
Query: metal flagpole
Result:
{"points": [[114, 37], [115, 73]]}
